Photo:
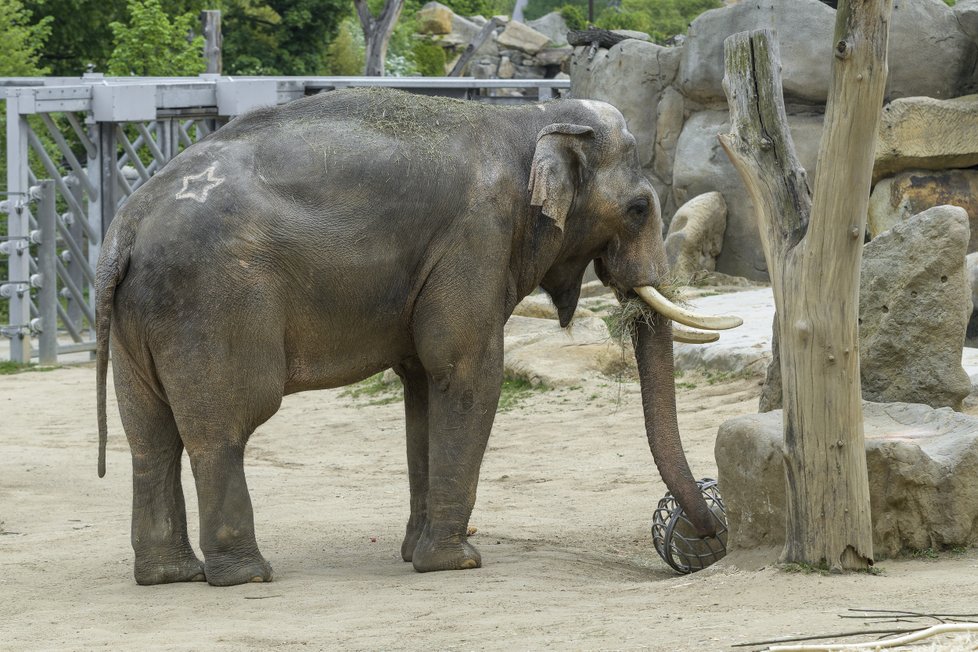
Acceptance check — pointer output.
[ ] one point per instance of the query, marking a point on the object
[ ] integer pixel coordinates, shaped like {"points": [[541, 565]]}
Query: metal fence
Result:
{"points": [[77, 148]]}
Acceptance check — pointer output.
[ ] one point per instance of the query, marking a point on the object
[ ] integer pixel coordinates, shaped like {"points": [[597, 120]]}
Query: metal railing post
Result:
{"points": [[48, 272], [16, 287], [71, 265], [95, 206]]}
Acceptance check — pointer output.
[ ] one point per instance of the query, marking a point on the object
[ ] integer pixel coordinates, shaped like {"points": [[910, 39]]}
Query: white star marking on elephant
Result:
{"points": [[198, 186]]}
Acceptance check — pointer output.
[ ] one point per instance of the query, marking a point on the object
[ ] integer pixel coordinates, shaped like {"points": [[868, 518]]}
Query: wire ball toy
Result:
{"points": [[675, 538]]}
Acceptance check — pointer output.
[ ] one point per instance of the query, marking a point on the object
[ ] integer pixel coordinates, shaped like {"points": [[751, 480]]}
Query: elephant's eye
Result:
{"points": [[639, 208]]}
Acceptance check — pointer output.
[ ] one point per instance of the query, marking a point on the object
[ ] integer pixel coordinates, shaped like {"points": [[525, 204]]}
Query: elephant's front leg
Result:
{"points": [[462, 400], [415, 382]]}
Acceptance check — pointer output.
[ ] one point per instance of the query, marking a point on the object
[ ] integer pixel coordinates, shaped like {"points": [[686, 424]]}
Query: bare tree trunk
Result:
{"points": [[377, 33], [814, 267]]}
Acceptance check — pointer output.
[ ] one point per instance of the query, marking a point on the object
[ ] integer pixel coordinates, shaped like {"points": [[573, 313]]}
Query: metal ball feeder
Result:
{"points": [[676, 539]]}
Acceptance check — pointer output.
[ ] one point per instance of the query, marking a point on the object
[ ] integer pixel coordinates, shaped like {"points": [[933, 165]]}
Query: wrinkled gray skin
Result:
{"points": [[341, 235]]}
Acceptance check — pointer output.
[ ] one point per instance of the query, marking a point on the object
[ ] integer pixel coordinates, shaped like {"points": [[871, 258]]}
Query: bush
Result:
{"points": [[429, 59], [574, 17], [344, 56], [152, 45]]}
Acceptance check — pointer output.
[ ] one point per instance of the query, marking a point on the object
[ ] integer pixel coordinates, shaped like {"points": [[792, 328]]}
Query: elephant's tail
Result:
{"points": [[112, 265]]}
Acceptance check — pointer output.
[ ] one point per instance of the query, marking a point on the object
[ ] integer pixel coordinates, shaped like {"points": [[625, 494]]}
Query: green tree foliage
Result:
{"points": [[573, 16], [22, 41], [660, 19], [154, 45], [344, 56], [279, 37], [429, 59], [80, 33]]}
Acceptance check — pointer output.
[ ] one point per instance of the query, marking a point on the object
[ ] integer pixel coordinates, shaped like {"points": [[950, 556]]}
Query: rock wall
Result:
{"points": [[514, 50], [921, 464], [673, 99]]}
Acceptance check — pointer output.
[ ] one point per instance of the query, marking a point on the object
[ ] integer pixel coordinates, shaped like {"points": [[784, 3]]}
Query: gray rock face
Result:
{"points": [[540, 351], [553, 26], [702, 166], [924, 133], [631, 76], [804, 29], [914, 306], [971, 262], [520, 37], [929, 53], [896, 199], [695, 236], [966, 13], [922, 464]]}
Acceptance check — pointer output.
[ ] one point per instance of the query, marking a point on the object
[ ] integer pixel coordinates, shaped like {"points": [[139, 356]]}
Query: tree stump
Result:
{"points": [[813, 246]]}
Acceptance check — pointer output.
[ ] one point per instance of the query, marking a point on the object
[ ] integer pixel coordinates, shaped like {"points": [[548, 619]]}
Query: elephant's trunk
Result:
{"points": [[653, 353]]}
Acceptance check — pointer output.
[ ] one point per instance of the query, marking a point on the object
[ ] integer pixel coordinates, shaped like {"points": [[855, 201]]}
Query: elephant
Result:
{"points": [[317, 243]]}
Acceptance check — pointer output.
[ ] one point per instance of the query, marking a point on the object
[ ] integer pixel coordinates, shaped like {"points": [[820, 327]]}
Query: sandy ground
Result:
{"points": [[567, 491]]}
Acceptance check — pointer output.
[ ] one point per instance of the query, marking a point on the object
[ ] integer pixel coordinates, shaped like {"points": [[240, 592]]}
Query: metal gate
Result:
{"points": [[78, 148]]}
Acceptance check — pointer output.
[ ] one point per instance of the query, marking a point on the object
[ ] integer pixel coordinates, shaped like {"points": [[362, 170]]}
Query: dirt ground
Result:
{"points": [[567, 492]]}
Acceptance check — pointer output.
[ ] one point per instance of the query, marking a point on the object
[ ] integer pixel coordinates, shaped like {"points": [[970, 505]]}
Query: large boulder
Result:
{"points": [[925, 133], [922, 465], [966, 13], [435, 18], [543, 352], [702, 166], [522, 37], [669, 117], [914, 306], [804, 30], [898, 198], [929, 54], [632, 76], [553, 26], [971, 262], [695, 236]]}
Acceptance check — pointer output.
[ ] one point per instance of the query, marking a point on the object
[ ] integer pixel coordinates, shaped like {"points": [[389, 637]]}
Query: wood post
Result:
{"points": [[210, 21], [813, 246], [377, 32], [476, 43]]}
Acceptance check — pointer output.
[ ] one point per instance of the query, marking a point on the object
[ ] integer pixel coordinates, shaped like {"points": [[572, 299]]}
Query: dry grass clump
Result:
{"points": [[622, 321]]}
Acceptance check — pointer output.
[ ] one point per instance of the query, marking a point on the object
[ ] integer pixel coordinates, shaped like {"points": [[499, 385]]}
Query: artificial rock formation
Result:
{"points": [[632, 76], [695, 236], [926, 133], [896, 199], [535, 50], [922, 463], [914, 307], [933, 52]]}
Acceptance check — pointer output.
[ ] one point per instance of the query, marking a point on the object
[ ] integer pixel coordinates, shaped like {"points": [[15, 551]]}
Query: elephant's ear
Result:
{"points": [[554, 170]]}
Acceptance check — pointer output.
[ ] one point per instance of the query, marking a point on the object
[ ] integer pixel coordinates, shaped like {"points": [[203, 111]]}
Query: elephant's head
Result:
{"points": [[586, 177]]}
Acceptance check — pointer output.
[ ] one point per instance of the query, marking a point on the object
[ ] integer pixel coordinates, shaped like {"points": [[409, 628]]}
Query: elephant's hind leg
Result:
{"points": [[159, 516], [227, 522], [216, 418]]}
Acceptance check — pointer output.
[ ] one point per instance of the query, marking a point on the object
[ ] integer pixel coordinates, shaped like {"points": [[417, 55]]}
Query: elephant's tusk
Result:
{"points": [[691, 336], [671, 311]]}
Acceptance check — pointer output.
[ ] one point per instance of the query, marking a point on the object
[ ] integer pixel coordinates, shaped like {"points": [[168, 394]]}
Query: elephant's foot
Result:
{"points": [[437, 554], [165, 568], [411, 538], [229, 569]]}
